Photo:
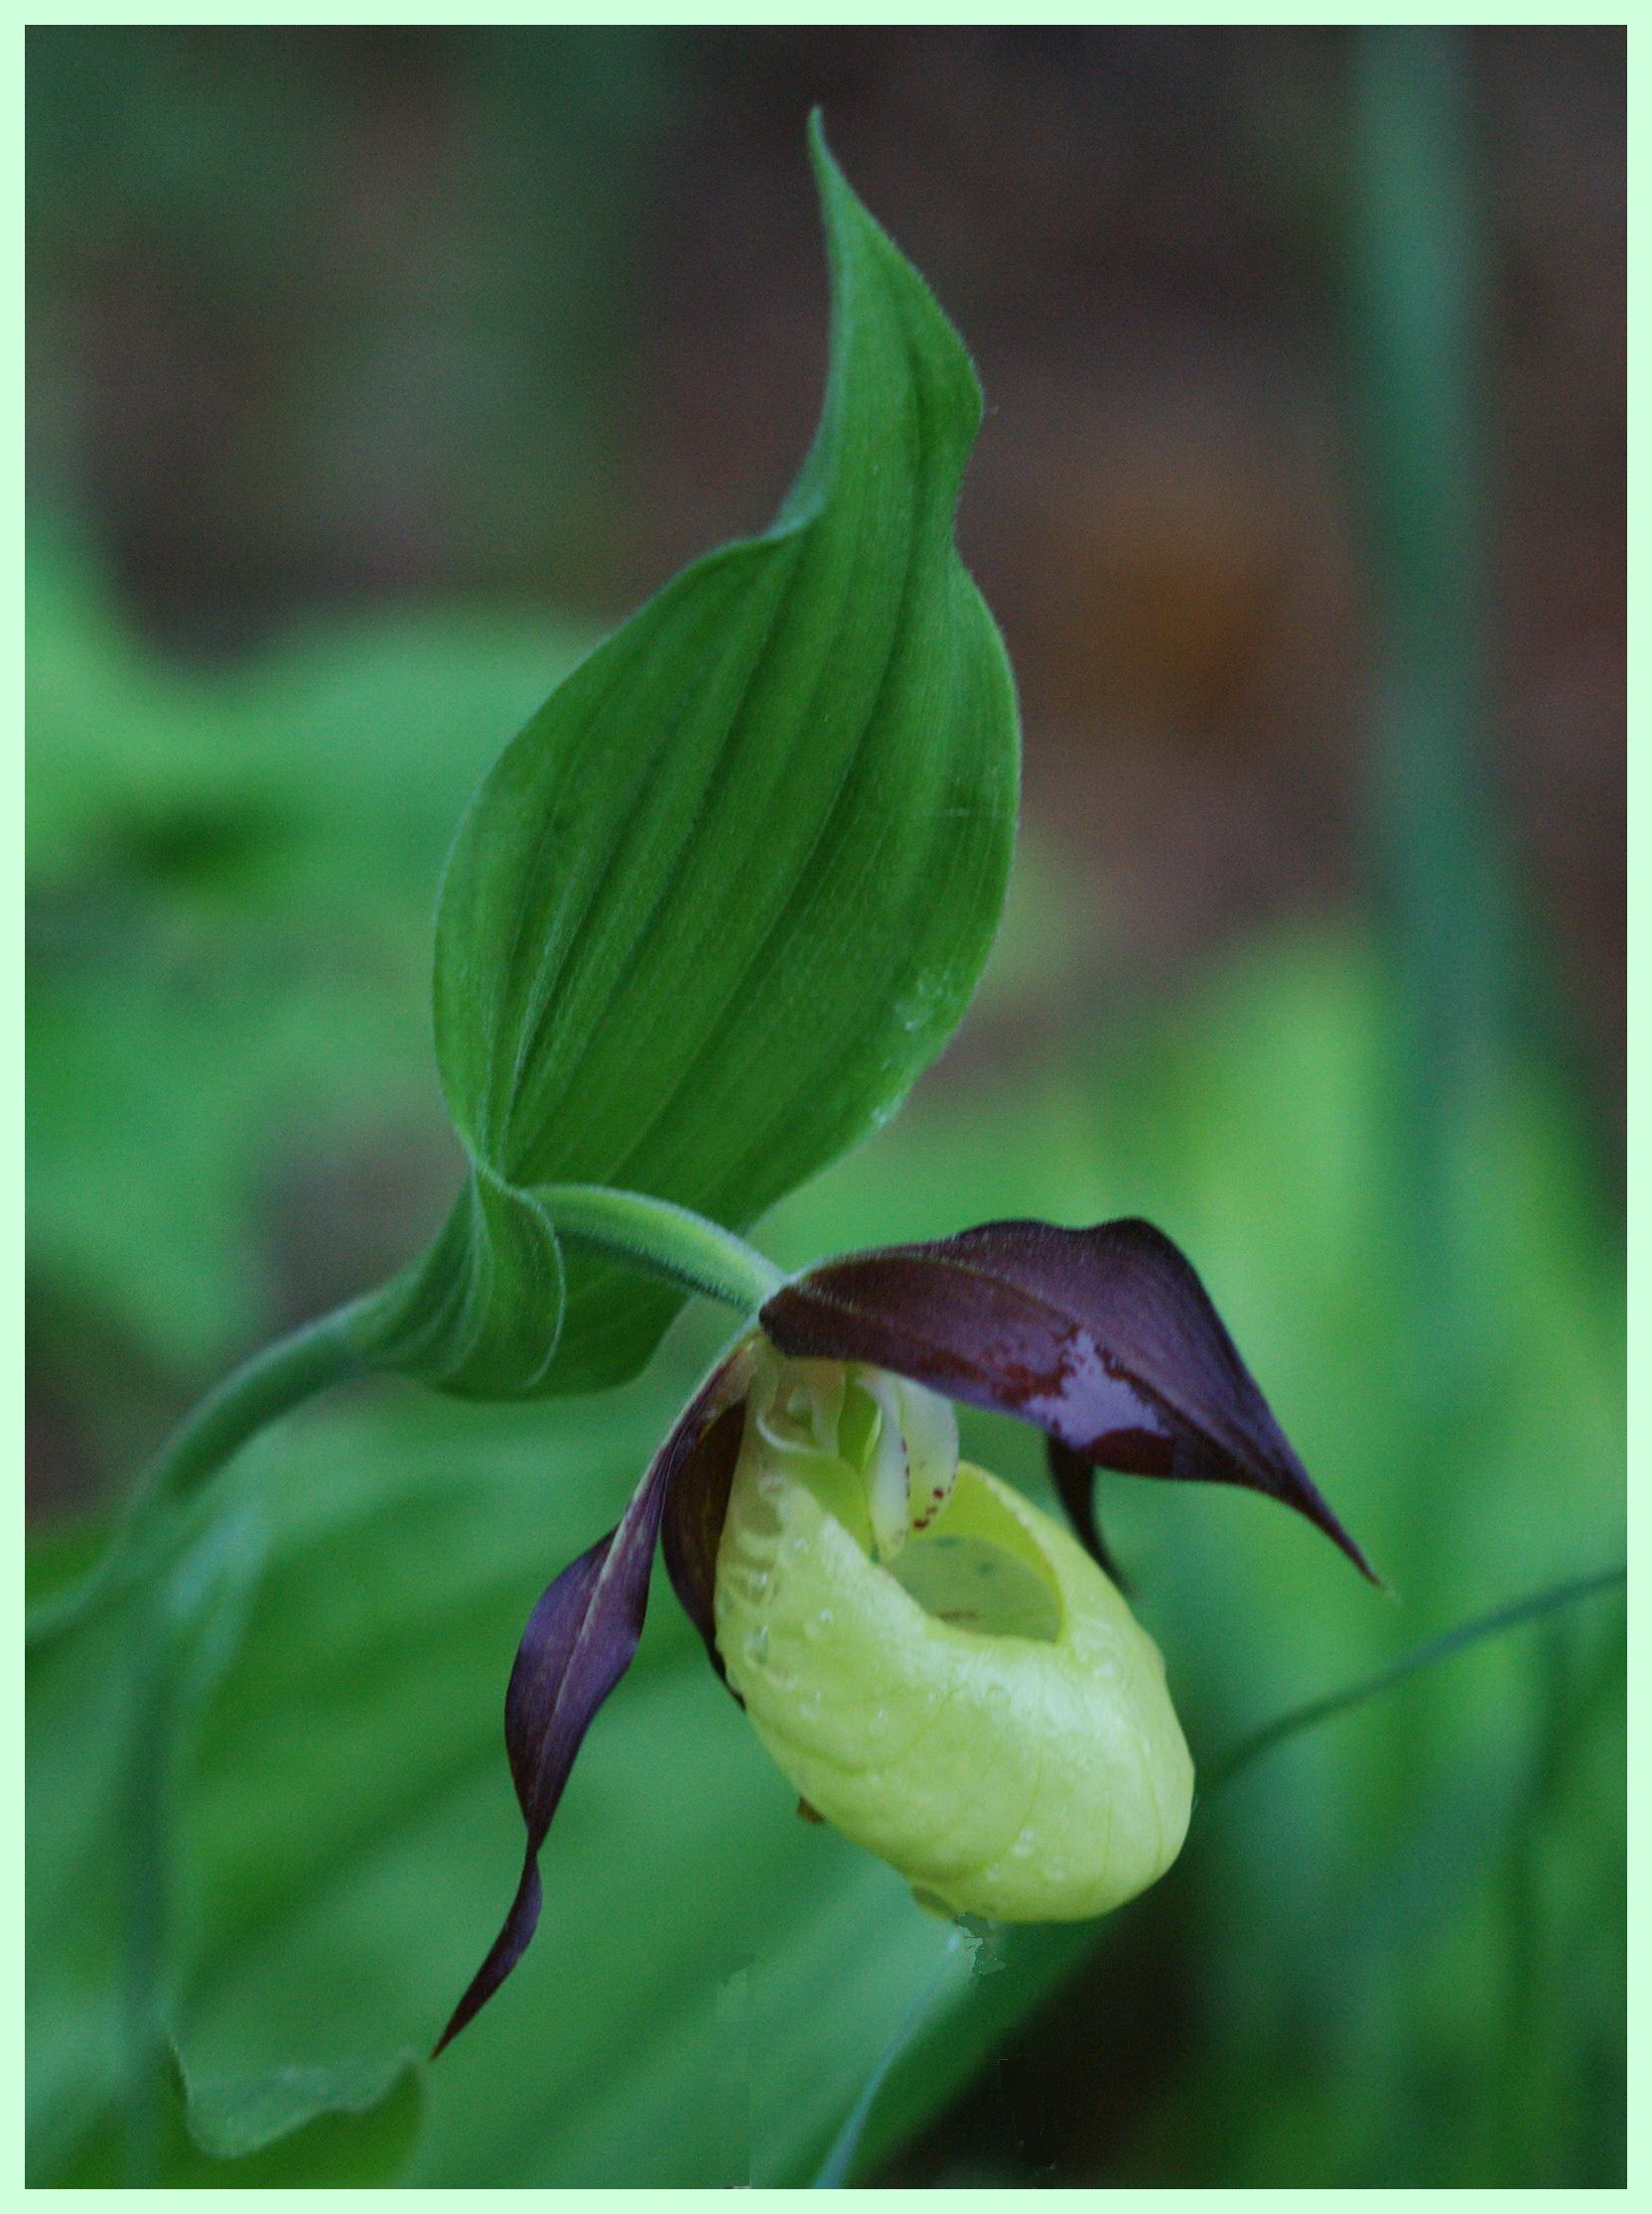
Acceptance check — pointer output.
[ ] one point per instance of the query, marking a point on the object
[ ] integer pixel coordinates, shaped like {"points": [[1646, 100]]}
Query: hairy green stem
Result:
{"points": [[666, 1239], [280, 1377], [650, 1234]]}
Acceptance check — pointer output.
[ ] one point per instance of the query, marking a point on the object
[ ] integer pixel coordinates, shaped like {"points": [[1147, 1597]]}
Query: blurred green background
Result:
{"points": [[371, 375]]}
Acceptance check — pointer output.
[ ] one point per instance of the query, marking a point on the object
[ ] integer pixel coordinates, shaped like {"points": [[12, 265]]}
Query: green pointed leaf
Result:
{"points": [[730, 889], [479, 1314]]}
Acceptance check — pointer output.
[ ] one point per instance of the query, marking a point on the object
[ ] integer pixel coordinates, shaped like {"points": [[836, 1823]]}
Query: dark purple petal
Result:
{"points": [[696, 1507], [1104, 1338], [1075, 1480], [579, 1642]]}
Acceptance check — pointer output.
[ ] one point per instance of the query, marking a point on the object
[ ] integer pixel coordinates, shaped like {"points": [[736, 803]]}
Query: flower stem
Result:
{"points": [[276, 1379], [666, 1239], [650, 1234]]}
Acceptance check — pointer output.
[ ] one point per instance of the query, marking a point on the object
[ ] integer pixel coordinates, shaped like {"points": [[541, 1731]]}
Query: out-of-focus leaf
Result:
{"points": [[359, 740], [230, 877], [347, 2127], [230, 2119], [145, 1678], [126, 758], [731, 888]]}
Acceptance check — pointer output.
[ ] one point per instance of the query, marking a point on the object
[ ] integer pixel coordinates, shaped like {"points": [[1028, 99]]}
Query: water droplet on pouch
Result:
{"points": [[757, 1647], [1023, 1846]]}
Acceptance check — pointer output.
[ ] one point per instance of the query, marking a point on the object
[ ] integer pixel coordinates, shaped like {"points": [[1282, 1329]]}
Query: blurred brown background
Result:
{"points": [[323, 316]]}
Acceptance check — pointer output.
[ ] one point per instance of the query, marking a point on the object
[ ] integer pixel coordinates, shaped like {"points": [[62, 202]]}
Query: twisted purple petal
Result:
{"points": [[579, 1642]]}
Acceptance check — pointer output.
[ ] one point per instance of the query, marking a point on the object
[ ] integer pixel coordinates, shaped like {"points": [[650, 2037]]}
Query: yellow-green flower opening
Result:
{"points": [[956, 1687]]}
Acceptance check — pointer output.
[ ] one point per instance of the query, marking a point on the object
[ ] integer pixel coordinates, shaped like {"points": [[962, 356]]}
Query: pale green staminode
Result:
{"points": [[939, 1669]]}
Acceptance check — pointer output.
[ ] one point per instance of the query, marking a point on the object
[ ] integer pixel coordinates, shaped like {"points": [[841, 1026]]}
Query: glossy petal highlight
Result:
{"points": [[1105, 1337]]}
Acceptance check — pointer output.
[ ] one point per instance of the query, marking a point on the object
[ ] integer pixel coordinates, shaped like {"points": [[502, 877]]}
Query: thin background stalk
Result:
{"points": [[1217, 1774], [1417, 284]]}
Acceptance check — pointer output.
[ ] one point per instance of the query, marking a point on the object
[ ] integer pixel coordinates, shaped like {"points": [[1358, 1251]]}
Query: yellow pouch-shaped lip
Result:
{"points": [[1005, 1737]]}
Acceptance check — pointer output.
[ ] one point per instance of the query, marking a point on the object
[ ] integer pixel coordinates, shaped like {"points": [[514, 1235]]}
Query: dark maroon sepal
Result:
{"points": [[696, 1508], [1075, 1480], [1104, 1338], [579, 1642]]}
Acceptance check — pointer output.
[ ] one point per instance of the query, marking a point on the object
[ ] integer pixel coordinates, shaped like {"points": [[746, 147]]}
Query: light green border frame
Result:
{"points": [[1511, 13]]}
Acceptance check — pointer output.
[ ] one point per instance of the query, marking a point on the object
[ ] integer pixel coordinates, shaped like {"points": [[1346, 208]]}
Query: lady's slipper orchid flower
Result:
{"points": [[932, 1661]]}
